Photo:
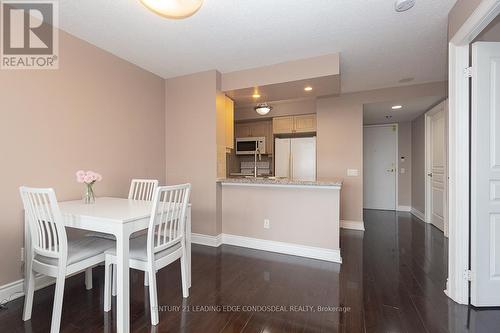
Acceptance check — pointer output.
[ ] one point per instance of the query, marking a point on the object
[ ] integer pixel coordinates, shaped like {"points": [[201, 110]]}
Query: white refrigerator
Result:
{"points": [[295, 158]]}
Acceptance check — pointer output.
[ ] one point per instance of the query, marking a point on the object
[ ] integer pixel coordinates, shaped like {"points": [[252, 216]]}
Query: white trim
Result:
{"points": [[396, 164], [208, 240], [285, 248], [352, 225], [458, 134], [418, 214], [404, 208], [13, 290]]}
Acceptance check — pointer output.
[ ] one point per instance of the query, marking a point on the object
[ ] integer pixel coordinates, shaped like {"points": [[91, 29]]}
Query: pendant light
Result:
{"points": [[173, 9]]}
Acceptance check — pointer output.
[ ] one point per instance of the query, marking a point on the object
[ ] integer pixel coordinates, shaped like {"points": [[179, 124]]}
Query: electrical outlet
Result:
{"points": [[266, 224], [22, 254]]}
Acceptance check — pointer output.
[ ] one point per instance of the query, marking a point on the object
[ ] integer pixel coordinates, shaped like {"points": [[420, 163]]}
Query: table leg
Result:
{"points": [[123, 281], [188, 244]]}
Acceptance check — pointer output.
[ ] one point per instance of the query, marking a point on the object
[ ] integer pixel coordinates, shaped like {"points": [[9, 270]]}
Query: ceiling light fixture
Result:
{"points": [[263, 109], [404, 5], [308, 88], [173, 9], [397, 107], [256, 95]]}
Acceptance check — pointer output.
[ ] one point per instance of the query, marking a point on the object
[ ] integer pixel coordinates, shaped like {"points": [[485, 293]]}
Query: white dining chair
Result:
{"points": [[163, 244], [51, 253], [140, 189]]}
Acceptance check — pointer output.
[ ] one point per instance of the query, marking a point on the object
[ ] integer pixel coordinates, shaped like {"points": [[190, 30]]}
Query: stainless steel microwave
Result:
{"points": [[248, 146]]}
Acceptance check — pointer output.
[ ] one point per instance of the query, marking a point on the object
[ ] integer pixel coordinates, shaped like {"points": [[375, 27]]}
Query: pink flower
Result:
{"points": [[79, 176], [87, 177]]}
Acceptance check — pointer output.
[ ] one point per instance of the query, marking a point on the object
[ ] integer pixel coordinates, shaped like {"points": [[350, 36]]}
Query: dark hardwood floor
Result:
{"points": [[391, 280]]}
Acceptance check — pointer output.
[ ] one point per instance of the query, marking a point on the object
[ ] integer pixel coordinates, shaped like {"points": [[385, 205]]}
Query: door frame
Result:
{"points": [[428, 167], [457, 285], [397, 158]]}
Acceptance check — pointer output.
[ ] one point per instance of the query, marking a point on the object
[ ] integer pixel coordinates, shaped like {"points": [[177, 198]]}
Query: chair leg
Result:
{"points": [[146, 279], [185, 286], [108, 281], [114, 279], [153, 297], [28, 299], [58, 303], [88, 278]]}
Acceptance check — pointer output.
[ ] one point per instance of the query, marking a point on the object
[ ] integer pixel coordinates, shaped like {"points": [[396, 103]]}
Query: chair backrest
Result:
{"points": [[168, 217], [142, 189], [46, 228]]}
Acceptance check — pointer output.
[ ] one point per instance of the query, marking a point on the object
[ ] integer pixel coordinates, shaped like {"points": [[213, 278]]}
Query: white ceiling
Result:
{"points": [[378, 46], [411, 108]]}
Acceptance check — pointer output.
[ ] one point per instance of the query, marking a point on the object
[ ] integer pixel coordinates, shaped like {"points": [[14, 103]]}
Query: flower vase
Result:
{"points": [[88, 194]]}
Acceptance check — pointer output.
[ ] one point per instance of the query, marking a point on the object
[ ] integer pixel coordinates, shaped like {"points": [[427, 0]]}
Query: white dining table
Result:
{"points": [[121, 218]]}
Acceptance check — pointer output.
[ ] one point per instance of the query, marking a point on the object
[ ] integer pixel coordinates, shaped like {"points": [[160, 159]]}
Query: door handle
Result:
{"points": [[429, 174], [390, 170]]}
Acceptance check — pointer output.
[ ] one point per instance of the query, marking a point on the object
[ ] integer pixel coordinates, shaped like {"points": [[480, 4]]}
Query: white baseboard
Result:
{"points": [[404, 209], [13, 290], [418, 214], [352, 225], [285, 248], [207, 240]]}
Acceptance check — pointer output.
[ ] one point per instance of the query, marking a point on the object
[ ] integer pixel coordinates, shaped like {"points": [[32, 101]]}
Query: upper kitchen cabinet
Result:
{"points": [[294, 124], [225, 122], [229, 105]]}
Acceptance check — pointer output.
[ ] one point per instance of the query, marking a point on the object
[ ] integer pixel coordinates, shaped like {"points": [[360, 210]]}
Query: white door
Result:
{"points": [[379, 167], [303, 158], [282, 158], [485, 175], [437, 165]]}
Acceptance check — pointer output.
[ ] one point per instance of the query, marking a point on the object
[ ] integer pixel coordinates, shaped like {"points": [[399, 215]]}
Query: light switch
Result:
{"points": [[403, 170], [352, 172]]}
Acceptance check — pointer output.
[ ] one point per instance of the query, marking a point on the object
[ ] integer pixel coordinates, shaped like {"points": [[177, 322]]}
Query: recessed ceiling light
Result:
{"points": [[308, 88], [173, 9], [256, 96], [397, 107]]}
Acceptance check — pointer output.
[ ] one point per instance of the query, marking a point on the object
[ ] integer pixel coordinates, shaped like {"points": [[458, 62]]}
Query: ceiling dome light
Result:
{"points": [[263, 109], [256, 95], [308, 88], [173, 9], [404, 5], [397, 107]]}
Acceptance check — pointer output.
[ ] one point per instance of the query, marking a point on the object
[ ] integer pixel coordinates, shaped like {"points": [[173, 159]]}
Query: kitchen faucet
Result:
{"points": [[255, 153]]}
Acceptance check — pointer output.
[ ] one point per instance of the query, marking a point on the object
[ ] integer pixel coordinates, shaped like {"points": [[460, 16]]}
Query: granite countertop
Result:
{"points": [[281, 181]]}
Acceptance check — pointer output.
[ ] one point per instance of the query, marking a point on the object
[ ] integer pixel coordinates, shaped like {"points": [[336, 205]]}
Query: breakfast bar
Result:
{"points": [[281, 215]]}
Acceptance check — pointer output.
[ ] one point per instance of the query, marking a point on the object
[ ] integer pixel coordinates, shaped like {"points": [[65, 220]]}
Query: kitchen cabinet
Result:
{"points": [[282, 125], [294, 124], [229, 108], [225, 131]]}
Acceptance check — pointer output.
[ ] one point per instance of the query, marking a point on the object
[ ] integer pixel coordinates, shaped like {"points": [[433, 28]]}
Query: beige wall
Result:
{"points": [[283, 72], [340, 147], [459, 14], [340, 137], [96, 112], [279, 109], [299, 216], [404, 149], [191, 143], [418, 164]]}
